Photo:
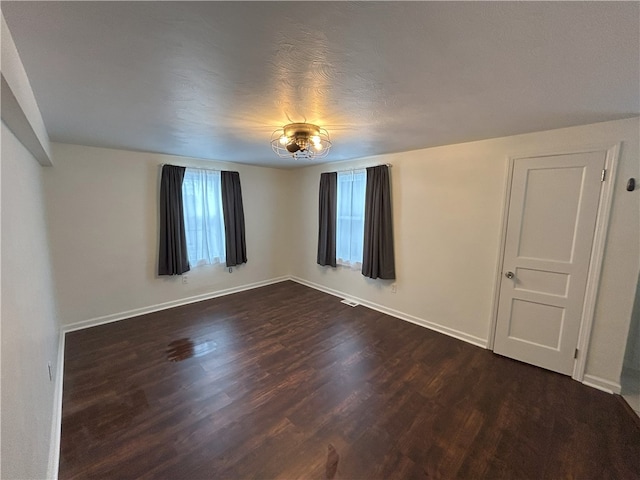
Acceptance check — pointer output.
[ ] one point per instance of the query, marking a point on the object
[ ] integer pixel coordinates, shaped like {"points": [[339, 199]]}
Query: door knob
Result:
{"points": [[509, 275]]}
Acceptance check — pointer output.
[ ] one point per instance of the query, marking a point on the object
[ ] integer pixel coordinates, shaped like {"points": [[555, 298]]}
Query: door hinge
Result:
{"points": [[575, 354], [604, 175]]}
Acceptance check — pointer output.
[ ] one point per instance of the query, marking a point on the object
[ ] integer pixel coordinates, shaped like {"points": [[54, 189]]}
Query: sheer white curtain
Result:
{"points": [[350, 217], [203, 217]]}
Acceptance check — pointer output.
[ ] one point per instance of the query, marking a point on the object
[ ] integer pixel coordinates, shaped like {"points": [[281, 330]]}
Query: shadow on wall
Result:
{"points": [[631, 368]]}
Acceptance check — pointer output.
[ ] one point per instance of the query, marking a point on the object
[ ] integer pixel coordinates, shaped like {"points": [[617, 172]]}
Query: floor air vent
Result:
{"points": [[351, 303]]}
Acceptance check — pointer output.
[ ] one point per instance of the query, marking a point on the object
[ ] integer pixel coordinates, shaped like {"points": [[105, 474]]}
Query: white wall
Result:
{"points": [[447, 208], [102, 228], [632, 352], [29, 325], [103, 207], [20, 110], [448, 205]]}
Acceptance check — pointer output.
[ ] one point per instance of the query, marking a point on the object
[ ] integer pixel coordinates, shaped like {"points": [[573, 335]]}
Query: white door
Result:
{"points": [[550, 230]]}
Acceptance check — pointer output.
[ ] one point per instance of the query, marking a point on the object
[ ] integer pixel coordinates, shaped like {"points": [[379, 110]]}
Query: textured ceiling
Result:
{"points": [[214, 79]]}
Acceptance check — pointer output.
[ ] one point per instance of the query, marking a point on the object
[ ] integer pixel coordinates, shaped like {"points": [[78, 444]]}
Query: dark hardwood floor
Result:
{"points": [[286, 382]]}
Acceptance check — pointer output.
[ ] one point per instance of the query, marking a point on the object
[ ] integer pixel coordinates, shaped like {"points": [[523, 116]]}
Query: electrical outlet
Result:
{"points": [[394, 288], [185, 279], [50, 371]]}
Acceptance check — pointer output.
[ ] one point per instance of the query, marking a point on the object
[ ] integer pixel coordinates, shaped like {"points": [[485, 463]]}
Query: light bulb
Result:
{"points": [[317, 146], [316, 140], [283, 140]]}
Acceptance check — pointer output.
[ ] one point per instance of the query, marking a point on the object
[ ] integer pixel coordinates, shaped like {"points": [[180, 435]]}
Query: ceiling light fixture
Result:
{"points": [[301, 141]]}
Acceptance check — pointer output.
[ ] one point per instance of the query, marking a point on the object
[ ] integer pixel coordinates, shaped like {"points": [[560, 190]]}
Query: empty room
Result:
{"points": [[338, 240]]}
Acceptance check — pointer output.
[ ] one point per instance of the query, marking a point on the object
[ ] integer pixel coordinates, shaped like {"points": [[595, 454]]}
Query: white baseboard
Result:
{"points": [[93, 322], [54, 451], [589, 380], [480, 342], [56, 421], [601, 384]]}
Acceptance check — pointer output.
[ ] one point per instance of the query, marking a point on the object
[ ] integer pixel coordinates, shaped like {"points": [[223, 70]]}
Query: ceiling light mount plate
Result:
{"points": [[301, 141]]}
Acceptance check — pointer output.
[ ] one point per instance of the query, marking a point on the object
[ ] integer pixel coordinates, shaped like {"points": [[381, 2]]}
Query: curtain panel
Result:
{"points": [[378, 257], [172, 256], [233, 218], [327, 219]]}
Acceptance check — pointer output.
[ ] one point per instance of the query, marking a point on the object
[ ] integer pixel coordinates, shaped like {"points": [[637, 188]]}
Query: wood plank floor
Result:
{"points": [[286, 382]]}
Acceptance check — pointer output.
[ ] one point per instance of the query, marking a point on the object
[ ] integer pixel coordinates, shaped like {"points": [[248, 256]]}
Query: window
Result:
{"points": [[203, 217], [350, 217]]}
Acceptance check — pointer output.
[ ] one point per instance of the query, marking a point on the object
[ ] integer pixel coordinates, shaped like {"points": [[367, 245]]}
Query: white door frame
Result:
{"points": [[597, 250]]}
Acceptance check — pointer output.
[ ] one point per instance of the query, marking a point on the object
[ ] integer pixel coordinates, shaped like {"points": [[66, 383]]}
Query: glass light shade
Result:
{"points": [[301, 140]]}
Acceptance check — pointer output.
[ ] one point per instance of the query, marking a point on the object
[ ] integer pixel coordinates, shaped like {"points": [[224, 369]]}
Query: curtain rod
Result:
{"points": [[194, 168], [219, 170], [362, 168]]}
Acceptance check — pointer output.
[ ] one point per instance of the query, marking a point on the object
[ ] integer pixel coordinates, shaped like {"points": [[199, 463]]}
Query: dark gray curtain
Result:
{"points": [[327, 219], [378, 258], [235, 243], [172, 257]]}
